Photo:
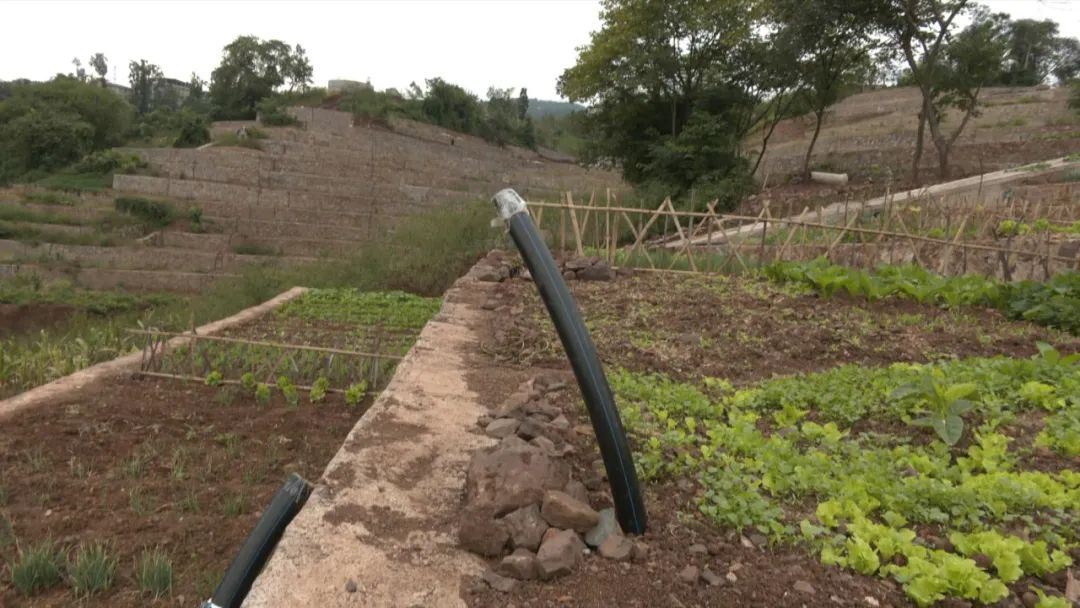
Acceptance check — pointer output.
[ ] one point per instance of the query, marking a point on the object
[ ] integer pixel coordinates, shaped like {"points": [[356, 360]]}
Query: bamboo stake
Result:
{"points": [[574, 222]]}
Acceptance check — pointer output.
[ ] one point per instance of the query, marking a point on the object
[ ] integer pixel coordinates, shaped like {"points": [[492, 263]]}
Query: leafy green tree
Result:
{"points": [[143, 77], [48, 125], [252, 69], [656, 67], [1066, 60], [1031, 52], [523, 103], [100, 63], [451, 106], [833, 42], [80, 72]]}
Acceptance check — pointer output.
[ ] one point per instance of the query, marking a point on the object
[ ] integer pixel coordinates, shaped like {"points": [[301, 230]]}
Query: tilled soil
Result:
{"points": [[17, 319], [148, 463], [735, 328], [745, 329]]}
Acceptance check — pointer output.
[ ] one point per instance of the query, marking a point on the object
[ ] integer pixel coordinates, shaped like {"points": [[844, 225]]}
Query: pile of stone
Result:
{"points": [[497, 266], [523, 506], [590, 268]]}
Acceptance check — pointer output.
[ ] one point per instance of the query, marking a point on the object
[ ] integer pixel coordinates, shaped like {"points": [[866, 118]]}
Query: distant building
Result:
{"points": [[119, 89], [345, 86]]}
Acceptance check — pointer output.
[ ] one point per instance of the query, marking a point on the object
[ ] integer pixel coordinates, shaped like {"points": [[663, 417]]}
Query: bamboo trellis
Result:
{"points": [[628, 235], [198, 355]]}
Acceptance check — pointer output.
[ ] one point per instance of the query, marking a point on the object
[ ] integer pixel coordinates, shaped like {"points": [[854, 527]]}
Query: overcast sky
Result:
{"points": [[505, 43]]}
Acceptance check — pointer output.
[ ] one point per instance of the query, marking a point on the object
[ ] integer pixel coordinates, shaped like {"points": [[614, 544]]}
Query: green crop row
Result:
{"points": [[839, 460], [1054, 303], [388, 308]]}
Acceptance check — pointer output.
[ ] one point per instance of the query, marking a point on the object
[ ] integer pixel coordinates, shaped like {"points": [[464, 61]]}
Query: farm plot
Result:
{"points": [[143, 489], [798, 450]]}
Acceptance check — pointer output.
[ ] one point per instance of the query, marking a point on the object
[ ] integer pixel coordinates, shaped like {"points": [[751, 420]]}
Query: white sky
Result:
{"points": [[474, 43]]}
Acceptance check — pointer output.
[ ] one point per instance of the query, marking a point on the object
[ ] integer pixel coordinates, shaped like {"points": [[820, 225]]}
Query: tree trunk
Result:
{"points": [[918, 146], [813, 141]]}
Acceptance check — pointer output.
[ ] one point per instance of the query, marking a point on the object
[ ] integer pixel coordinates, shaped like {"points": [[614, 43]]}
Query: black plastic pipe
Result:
{"points": [[614, 448], [260, 543]]}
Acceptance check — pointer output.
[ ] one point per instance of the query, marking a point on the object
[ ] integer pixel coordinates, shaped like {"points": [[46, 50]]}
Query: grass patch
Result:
{"points": [[76, 182], [38, 567], [16, 214], [255, 249], [157, 214], [33, 235], [92, 570], [1016, 121], [48, 198], [154, 573], [233, 506]]}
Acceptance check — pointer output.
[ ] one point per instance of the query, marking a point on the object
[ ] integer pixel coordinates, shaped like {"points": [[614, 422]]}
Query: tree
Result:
{"points": [[1066, 60], [451, 106], [51, 124], [144, 78], [833, 42], [523, 103], [80, 73], [100, 65], [657, 66], [252, 69], [1031, 52]]}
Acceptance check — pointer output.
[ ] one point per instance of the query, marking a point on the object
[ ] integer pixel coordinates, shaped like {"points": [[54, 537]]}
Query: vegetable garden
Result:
{"points": [[140, 490], [920, 433]]}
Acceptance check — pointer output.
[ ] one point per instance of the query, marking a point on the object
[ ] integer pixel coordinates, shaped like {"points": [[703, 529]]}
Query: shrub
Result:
{"points": [[194, 131], [92, 570], [154, 572], [155, 213], [37, 568], [109, 161], [272, 112]]}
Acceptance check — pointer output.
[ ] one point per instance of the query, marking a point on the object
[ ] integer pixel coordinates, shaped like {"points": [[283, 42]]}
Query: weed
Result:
{"points": [[134, 467], [231, 443], [78, 469], [154, 572], [178, 465], [92, 570], [37, 568], [190, 502], [156, 214], [7, 534], [36, 459], [138, 503], [233, 506]]}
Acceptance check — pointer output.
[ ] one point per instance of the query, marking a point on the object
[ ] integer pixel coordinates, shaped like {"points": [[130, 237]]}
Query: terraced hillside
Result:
{"points": [[869, 134], [295, 194]]}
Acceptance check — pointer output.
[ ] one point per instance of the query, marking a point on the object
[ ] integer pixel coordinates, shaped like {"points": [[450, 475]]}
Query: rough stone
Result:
{"points": [[512, 475], [641, 551], [499, 583], [516, 401], [759, 540], [606, 525], [564, 511], [490, 273], [559, 553], [521, 564], [568, 275], [698, 549], [579, 263], [526, 527], [530, 428], [560, 422], [597, 272], [712, 578], [503, 427], [544, 444], [350, 586], [577, 490], [804, 587], [481, 533], [616, 547], [689, 574]]}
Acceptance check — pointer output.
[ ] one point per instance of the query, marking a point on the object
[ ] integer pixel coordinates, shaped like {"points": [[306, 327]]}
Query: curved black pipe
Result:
{"points": [[614, 448], [260, 543]]}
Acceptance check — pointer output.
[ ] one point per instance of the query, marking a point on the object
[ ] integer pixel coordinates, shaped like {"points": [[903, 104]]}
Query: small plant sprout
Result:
{"points": [[233, 506], [355, 393], [318, 389], [262, 394], [154, 572], [248, 381], [214, 378], [288, 390], [38, 567], [92, 570]]}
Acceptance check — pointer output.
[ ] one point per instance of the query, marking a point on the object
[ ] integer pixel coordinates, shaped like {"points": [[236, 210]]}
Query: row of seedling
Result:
{"points": [[90, 569]]}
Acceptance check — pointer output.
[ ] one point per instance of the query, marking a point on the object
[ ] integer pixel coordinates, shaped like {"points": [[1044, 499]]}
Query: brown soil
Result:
{"points": [[67, 474], [18, 319], [746, 329], [734, 328]]}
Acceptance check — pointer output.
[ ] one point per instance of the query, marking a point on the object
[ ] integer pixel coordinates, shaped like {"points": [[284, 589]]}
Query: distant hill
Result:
{"points": [[539, 108]]}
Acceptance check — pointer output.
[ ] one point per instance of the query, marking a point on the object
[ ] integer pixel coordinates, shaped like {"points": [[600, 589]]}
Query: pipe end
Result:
{"points": [[509, 203]]}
